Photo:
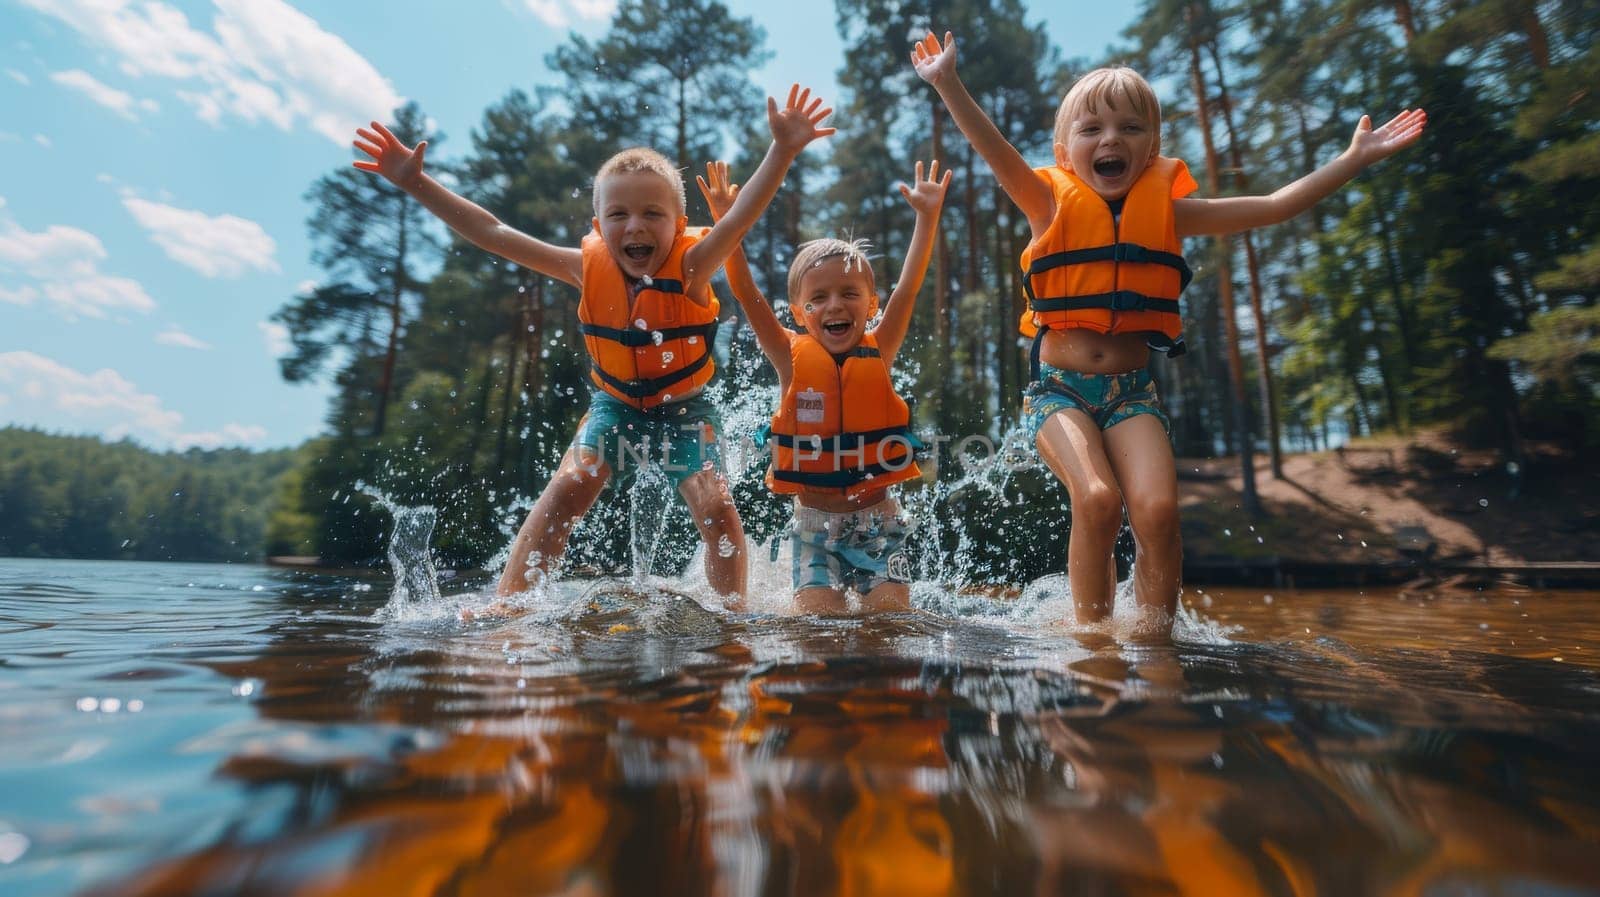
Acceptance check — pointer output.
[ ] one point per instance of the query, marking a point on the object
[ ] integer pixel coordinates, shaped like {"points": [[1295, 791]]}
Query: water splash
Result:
{"points": [[416, 581]]}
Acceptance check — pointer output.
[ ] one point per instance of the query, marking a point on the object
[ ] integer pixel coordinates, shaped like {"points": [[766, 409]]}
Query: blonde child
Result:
{"points": [[647, 313], [841, 436], [1103, 272]]}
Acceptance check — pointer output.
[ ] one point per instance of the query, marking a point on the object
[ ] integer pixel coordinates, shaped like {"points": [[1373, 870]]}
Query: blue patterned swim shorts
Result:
{"points": [[1108, 399]]}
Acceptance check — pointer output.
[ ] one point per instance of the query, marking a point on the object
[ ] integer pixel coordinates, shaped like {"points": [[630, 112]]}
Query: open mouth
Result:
{"points": [[837, 328], [638, 251], [1110, 167]]}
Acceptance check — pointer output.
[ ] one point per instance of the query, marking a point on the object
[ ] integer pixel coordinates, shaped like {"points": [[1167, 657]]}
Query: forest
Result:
{"points": [[1452, 286], [81, 497]]}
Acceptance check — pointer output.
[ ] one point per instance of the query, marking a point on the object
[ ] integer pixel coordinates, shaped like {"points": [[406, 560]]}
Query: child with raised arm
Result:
{"points": [[647, 315], [1103, 271], [841, 436]]}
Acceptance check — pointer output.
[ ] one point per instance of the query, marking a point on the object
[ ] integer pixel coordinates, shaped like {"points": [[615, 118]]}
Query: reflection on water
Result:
{"points": [[628, 741]]}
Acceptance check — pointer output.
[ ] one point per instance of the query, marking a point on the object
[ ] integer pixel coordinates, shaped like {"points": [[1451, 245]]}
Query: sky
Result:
{"points": [[154, 157]]}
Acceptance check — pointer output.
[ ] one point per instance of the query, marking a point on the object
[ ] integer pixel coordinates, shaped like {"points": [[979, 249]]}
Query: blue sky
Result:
{"points": [[153, 157]]}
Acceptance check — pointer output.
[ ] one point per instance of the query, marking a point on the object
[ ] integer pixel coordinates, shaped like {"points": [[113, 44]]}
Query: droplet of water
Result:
{"points": [[725, 547], [640, 323], [656, 337], [1483, 503], [666, 357]]}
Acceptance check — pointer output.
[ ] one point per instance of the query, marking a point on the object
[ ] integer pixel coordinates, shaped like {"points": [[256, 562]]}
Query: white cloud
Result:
{"points": [[555, 13], [42, 392], [118, 101], [264, 60], [23, 295], [43, 141], [276, 337], [221, 246], [18, 77], [64, 264], [175, 336]]}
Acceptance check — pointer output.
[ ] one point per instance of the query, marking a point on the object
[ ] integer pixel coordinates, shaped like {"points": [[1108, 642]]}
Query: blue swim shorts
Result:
{"points": [[1108, 399], [858, 550], [679, 437]]}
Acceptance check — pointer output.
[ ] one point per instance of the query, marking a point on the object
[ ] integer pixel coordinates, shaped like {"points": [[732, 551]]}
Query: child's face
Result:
{"points": [[835, 302], [1108, 148], [638, 219]]}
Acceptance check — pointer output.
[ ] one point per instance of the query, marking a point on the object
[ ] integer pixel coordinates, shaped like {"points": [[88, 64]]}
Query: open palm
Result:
{"points": [[932, 60], [798, 123], [1370, 144], [717, 189], [397, 162], [928, 193]]}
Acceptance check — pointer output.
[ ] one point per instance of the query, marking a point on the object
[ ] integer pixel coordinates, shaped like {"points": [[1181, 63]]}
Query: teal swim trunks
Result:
{"points": [[679, 437], [1108, 399], [858, 550]]}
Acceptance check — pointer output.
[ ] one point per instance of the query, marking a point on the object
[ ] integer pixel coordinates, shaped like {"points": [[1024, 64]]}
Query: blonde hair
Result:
{"points": [[641, 158], [1111, 86], [815, 252]]}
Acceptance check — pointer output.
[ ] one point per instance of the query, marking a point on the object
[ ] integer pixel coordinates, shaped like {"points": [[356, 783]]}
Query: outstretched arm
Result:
{"points": [[797, 124], [1231, 214], [773, 337], [936, 64], [402, 166], [926, 197]]}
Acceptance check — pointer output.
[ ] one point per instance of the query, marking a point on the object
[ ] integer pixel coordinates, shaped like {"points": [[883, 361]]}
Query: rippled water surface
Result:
{"points": [[187, 729]]}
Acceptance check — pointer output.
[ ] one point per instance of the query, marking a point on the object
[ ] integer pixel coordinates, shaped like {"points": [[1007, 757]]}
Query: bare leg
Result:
{"points": [[706, 494], [819, 600], [1142, 458], [543, 537], [887, 596], [1071, 445]]}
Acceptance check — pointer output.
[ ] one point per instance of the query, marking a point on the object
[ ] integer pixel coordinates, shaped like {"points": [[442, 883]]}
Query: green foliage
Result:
{"points": [[1382, 304], [77, 496]]}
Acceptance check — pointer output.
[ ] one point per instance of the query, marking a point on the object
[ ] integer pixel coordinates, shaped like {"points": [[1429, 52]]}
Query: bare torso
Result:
{"points": [[1089, 352]]}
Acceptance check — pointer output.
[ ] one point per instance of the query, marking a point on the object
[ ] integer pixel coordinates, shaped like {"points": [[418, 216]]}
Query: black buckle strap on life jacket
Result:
{"points": [[647, 387], [1115, 252], [1116, 300], [840, 479], [635, 339], [1162, 343], [858, 352], [850, 442]]}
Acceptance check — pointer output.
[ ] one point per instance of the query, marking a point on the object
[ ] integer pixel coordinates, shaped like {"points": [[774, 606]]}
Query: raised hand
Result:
{"points": [[1370, 145], [927, 194], [797, 124], [397, 162], [719, 192], [933, 61]]}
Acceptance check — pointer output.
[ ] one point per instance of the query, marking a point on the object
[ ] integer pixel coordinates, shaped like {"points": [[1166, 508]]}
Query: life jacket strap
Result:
{"points": [[649, 386], [1116, 300], [844, 441], [635, 339], [1116, 252], [1166, 344], [840, 479], [857, 352]]}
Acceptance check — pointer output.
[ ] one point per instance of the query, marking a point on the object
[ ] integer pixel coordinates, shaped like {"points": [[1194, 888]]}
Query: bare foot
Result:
{"points": [[499, 610]]}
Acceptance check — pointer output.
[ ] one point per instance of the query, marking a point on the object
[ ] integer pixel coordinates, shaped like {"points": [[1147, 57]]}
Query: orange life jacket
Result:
{"points": [[655, 349], [1092, 270], [840, 428]]}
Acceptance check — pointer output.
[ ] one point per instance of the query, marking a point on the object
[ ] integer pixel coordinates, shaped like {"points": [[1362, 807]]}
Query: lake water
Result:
{"points": [[236, 730]]}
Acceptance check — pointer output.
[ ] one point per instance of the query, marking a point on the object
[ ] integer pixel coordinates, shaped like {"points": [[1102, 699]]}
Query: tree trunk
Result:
{"points": [[1252, 503], [1269, 391], [396, 293]]}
